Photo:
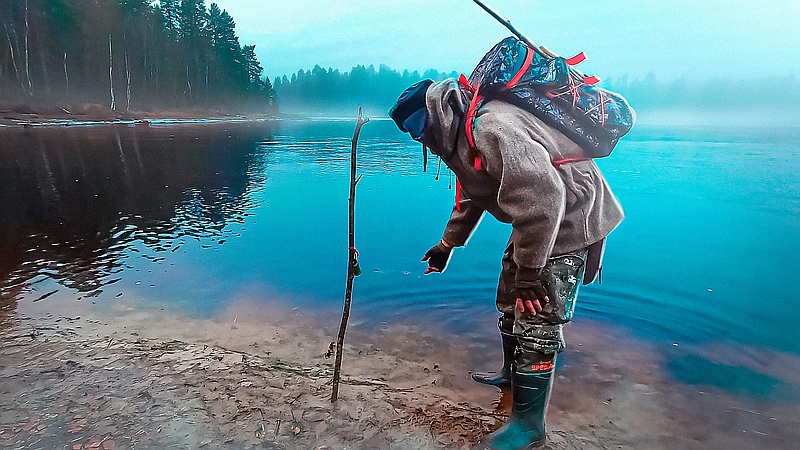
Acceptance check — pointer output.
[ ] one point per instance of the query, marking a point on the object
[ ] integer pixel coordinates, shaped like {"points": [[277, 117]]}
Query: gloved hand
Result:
{"points": [[438, 257], [531, 293]]}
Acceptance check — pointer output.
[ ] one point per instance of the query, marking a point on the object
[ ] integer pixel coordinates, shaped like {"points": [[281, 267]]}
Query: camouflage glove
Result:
{"points": [[438, 257], [531, 293]]}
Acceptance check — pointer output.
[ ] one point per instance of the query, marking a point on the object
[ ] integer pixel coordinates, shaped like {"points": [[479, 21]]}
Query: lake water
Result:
{"points": [[195, 217]]}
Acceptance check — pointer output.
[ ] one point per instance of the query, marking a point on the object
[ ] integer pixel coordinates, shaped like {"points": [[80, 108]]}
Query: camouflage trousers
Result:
{"points": [[561, 277]]}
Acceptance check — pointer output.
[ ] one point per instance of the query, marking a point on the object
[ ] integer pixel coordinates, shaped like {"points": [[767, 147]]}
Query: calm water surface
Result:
{"points": [[196, 217]]}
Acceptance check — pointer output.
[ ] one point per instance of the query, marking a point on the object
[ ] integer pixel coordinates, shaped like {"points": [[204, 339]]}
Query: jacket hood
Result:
{"points": [[446, 105]]}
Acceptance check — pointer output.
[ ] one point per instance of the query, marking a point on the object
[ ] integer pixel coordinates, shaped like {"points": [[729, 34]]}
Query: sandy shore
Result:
{"points": [[152, 379], [257, 377]]}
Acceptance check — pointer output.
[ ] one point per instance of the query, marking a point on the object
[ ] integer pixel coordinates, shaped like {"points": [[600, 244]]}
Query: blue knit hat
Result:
{"points": [[410, 113]]}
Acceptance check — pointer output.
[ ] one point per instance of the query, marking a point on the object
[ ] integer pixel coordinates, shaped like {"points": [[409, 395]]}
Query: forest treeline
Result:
{"points": [[330, 91], [127, 54], [179, 54]]}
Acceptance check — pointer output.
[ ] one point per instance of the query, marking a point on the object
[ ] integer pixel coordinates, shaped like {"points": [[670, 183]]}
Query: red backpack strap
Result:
{"points": [[464, 83], [469, 123], [522, 70], [474, 104], [577, 59], [458, 194]]}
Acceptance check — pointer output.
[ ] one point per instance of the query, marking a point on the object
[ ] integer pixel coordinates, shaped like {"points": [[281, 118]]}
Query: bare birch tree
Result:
{"points": [[27, 53], [66, 74], [11, 50], [128, 85], [111, 74]]}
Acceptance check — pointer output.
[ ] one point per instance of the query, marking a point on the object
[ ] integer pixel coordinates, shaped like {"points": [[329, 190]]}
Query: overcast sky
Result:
{"points": [[692, 39]]}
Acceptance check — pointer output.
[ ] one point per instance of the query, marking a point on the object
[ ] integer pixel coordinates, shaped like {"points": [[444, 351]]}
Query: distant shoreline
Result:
{"points": [[94, 114]]}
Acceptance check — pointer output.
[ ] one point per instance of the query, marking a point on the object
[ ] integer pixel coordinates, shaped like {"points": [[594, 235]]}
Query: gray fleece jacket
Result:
{"points": [[552, 211]]}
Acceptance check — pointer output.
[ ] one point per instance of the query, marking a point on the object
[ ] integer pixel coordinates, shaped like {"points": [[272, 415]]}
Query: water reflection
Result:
{"points": [[74, 198]]}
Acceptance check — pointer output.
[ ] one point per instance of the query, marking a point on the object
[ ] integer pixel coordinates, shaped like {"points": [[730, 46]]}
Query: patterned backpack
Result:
{"points": [[547, 86]]}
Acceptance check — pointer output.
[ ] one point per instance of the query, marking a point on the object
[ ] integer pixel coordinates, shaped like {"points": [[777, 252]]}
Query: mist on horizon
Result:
{"points": [[330, 93], [331, 57]]}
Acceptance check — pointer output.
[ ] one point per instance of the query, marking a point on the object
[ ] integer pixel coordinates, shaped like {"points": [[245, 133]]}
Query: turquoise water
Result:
{"points": [[196, 217]]}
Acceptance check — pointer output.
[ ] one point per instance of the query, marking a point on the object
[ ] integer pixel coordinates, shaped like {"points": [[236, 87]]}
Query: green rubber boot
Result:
{"points": [[531, 391], [503, 377]]}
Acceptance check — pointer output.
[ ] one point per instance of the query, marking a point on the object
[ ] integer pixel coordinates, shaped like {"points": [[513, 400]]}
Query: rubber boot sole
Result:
{"points": [[492, 379]]}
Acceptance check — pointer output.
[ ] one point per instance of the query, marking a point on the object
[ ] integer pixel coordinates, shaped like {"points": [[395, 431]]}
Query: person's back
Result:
{"points": [[571, 205]]}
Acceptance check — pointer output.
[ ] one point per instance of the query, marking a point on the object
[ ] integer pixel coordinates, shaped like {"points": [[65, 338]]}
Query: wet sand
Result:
{"points": [[125, 376]]}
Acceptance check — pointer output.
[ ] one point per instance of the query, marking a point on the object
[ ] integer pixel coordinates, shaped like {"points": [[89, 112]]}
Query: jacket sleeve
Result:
{"points": [[462, 222], [531, 192]]}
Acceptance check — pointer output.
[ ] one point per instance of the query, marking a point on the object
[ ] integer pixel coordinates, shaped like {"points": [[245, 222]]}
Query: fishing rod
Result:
{"points": [[506, 23], [541, 49]]}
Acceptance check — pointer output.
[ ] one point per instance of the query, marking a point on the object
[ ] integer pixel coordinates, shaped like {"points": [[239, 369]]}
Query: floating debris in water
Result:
{"points": [[45, 296]]}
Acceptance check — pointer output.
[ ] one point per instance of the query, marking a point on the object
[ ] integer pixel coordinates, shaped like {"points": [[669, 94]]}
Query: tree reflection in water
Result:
{"points": [[74, 200]]}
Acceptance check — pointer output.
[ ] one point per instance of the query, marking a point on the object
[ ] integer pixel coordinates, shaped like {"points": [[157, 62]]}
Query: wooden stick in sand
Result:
{"points": [[352, 261]]}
